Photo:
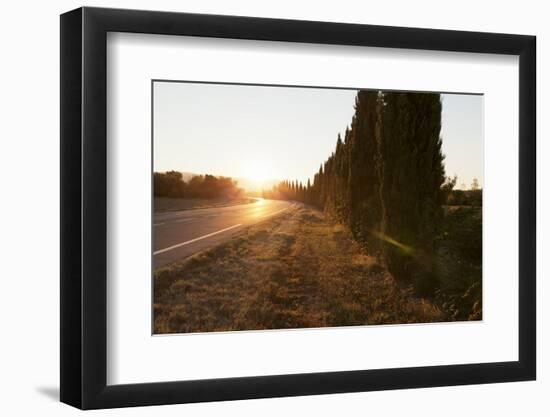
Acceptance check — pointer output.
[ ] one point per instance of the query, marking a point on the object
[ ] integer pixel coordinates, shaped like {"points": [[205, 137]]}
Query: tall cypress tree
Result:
{"points": [[413, 175], [364, 213]]}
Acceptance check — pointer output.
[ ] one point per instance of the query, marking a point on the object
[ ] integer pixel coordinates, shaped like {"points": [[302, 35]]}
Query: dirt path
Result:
{"points": [[293, 271]]}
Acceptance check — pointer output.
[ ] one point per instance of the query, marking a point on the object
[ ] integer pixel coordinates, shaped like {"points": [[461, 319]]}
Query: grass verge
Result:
{"points": [[293, 271]]}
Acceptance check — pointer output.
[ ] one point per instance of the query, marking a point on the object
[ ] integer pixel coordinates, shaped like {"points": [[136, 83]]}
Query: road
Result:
{"points": [[180, 234]]}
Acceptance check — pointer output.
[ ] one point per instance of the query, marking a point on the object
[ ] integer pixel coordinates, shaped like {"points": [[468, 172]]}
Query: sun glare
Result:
{"points": [[256, 171]]}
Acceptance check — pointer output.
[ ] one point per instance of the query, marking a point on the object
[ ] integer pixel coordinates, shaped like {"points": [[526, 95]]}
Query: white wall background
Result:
{"points": [[29, 207]]}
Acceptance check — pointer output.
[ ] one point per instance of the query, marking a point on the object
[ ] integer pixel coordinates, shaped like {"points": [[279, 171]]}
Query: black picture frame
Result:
{"points": [[84, 207]]}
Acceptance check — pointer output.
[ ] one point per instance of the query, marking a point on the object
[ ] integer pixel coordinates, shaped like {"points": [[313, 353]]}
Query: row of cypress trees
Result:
{"points": [[383, 181]]}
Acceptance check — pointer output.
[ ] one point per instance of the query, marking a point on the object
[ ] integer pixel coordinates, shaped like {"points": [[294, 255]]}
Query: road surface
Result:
{"points": [[179, 234]]}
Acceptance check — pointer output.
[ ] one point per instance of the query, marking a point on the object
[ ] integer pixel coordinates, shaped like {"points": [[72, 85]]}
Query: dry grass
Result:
{"points": [[294, 271]]}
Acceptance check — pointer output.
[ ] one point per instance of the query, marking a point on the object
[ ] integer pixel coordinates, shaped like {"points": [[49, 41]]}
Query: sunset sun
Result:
{"points": [[257, 171]]}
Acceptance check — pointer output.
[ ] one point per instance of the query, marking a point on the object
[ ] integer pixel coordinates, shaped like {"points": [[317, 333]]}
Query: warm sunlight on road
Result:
{"points": [[180, 234]]}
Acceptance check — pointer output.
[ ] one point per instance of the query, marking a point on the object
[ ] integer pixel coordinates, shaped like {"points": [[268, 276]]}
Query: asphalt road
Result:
{"points": [[179, 234]]}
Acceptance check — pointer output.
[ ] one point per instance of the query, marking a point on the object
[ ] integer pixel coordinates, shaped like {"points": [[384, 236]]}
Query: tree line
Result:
{"points": [[384, 181], [472, 197], [171, 184]]}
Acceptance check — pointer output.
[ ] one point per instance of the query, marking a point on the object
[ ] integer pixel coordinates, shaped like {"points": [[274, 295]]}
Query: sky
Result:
{"points": [[272, 133]]}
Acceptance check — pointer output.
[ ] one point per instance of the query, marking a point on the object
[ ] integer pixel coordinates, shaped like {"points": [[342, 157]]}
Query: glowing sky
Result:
{"points": [[263, 133]]}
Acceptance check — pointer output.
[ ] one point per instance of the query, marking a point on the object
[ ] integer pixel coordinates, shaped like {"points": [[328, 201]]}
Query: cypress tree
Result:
{"points": [[364, 200], [413, 175]]}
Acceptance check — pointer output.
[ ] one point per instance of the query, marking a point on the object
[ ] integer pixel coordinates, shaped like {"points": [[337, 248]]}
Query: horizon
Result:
{"points": [[275, 181]]}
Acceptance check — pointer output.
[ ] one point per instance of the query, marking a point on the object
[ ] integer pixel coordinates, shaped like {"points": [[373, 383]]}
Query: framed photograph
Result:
{"points": [[257, 208]]}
